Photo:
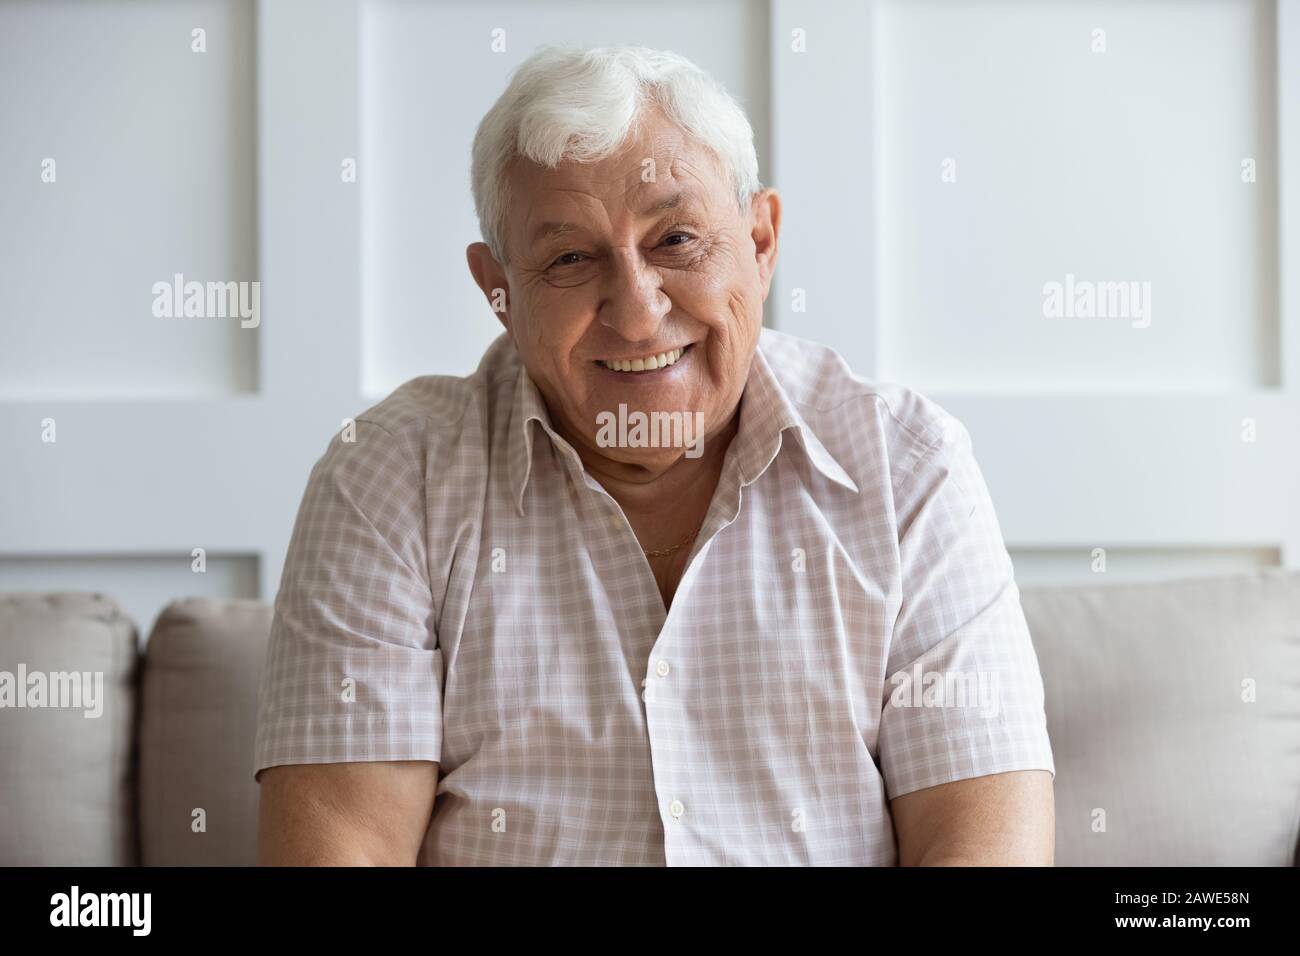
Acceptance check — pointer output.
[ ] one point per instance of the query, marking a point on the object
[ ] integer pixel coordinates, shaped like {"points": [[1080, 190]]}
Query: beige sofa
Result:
{"points": [[1174, 712]]}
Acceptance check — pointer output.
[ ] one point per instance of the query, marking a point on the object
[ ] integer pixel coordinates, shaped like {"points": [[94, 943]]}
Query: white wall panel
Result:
{"points": [[187, 456], [824, 141], [1122, 165], [153, 146]]}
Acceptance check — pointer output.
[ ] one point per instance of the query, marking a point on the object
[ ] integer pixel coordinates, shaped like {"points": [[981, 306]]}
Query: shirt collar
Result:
{"points": [[528, 407], [766, 413]]}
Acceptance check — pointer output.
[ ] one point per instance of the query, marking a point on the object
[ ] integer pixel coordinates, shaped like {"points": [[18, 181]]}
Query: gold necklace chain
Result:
{"points": [[659, 553]]}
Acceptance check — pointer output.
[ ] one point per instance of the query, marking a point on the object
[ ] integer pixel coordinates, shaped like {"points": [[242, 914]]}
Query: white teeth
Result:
{"points": [[647, 364]]}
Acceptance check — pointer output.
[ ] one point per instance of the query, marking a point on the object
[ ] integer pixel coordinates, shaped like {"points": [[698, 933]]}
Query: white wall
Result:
{"points": [[175, 434], [152, 147]]}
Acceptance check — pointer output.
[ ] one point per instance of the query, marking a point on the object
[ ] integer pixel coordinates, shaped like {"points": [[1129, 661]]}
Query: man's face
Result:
{"points": [[605, 266]]}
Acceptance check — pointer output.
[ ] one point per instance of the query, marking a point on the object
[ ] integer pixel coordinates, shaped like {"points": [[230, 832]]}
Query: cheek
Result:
{"points": [[740, 289], [549, 331], [733, 331], [744, 319], [549, 328]]}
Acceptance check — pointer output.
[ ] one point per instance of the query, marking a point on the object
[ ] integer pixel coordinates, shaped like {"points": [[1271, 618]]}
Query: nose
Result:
{"points": [[635, 305]]}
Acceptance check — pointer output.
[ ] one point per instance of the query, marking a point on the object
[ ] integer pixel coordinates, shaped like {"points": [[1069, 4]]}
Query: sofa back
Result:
{"points": [[67, 782], [1173, 709], [1174, 715], [198, 721]]}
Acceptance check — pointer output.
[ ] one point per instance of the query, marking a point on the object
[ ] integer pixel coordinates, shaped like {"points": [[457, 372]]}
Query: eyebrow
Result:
{"points": [[670, 202], [549, 229]]}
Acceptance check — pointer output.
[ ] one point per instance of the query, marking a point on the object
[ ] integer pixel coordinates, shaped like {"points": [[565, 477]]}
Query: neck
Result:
{"points": [[669, 499]]}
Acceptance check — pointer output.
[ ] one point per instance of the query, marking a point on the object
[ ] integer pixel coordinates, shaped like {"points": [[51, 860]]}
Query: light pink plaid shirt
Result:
{"points": [[458, 589]]}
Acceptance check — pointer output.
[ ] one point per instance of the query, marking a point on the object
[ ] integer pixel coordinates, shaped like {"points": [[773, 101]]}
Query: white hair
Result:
{"points": [[577, 104]]}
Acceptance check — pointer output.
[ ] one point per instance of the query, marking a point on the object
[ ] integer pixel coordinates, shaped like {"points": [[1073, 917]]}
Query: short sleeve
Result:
{"points": [[353, 670], [963, 696]]}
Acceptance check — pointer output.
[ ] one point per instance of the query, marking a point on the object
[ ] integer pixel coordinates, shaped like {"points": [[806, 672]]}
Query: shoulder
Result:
{"points": [[850, 413], [428, 418], [441, 403]]}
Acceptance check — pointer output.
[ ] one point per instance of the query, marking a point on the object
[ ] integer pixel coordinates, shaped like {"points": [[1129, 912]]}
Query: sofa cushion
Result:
{"points": [[198, 800], [1147, 692], [68, 791]]}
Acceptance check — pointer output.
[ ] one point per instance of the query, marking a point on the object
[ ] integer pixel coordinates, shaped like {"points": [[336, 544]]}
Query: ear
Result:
{"points": [[491, 278], [765, 217]]}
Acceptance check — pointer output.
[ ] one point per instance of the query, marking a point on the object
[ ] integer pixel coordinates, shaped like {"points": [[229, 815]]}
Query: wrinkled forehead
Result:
{"points": [[657, 169]]}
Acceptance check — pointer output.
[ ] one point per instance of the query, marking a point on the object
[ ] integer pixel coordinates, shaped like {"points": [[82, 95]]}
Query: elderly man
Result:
{"points": [[653, 585]]}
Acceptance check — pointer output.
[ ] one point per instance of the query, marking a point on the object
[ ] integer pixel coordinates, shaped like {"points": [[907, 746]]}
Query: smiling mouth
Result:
{"points": [[646, 363]]}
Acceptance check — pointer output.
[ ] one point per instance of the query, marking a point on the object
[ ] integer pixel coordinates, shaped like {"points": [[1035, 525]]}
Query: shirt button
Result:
{"points": [[676, 809], [662, 668]]}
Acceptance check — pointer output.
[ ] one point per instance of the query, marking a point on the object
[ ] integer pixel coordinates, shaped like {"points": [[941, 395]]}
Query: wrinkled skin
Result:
{"points": [[622, 279]]}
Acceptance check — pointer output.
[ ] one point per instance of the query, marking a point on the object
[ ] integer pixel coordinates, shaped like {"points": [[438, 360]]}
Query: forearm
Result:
{"points": [[1003, 819], [372, 814]]}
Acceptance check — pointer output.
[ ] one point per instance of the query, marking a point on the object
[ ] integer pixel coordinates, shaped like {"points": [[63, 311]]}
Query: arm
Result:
{"points": [[1005, 819], [967, 763], [345, 814], [349, 733]]}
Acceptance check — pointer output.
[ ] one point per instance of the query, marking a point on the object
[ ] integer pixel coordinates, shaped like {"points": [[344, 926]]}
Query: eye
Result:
{"points": [[684, 237], [567, 259]]}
